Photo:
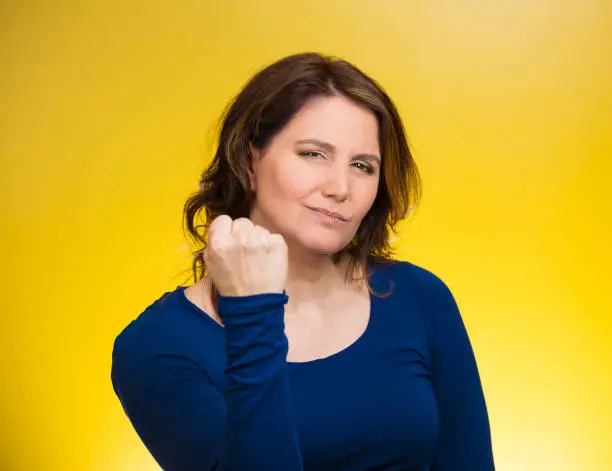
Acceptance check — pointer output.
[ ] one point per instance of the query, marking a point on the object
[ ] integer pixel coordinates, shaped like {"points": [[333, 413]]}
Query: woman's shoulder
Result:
{"points": [[414, 284], [434, 298], [168, 325], [408, 277]]}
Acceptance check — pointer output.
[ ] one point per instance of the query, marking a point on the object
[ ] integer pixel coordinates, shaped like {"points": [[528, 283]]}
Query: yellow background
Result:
{"points": [[105, 108]]}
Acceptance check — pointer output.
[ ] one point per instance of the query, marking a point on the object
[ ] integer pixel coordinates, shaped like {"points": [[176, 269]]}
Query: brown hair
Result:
{"points": [[261, 109]]}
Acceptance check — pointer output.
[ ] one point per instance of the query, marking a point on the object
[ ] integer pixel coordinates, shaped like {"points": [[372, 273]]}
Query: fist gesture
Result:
{"points": [[245, 259]]}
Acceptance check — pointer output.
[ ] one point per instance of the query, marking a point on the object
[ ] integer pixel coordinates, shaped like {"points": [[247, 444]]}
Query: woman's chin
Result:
{"points": [[324, 247], [317, 243]]}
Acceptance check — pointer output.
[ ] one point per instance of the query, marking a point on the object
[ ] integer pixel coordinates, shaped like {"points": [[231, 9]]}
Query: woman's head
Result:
{"points": [[311, 132], [326, 157]]}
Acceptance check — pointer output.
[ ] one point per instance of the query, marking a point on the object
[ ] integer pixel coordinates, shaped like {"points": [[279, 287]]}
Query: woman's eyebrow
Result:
{"points": [[322, 144], [331, 148]]}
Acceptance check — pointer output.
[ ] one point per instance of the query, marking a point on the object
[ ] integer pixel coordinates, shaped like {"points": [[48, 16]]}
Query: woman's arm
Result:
{"points": [[185, 421], [464, 442]]}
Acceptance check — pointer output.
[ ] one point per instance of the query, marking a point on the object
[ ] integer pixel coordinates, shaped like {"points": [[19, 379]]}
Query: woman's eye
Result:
{"points": [[366, 168], [311, 153]]}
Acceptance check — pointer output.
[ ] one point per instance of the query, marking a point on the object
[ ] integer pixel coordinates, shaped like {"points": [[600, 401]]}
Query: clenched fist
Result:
{"points": [[244, 259]]}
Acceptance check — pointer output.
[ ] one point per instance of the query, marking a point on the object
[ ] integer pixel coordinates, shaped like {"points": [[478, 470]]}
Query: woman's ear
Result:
{"points": [[252, 161]]}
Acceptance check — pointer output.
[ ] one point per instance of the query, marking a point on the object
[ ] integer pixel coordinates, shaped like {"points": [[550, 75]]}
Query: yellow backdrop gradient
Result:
{"points": [[105, 108]]}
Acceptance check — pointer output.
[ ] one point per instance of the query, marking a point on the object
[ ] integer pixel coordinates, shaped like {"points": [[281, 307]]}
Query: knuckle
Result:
{"points": [[220, 224], [261, 229], [277, 240], [252, 246], [220, 220], [242, 224]]}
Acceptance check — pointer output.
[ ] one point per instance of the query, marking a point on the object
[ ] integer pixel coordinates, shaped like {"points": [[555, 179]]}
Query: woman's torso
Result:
{"points": [[362, 403]]}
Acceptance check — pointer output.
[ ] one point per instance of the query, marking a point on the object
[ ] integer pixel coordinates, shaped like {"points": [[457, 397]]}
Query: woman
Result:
{"points": [[302, 344]]}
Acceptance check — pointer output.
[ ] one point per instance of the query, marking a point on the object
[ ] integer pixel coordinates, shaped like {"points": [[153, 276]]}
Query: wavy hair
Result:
{"points": [[260, 110]]}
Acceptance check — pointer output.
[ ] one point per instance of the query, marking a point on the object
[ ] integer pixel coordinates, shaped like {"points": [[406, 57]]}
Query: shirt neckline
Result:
{"points": [[359, 341]]}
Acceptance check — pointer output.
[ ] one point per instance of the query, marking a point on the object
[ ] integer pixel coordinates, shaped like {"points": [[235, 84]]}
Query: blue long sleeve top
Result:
{"points": [[405, 396]]}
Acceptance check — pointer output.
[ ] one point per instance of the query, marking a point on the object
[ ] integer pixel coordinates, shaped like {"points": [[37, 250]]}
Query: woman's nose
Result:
{"points": [[337, 184]]}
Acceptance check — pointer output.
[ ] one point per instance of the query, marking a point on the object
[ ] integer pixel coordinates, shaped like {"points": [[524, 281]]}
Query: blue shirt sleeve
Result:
{"points": [[464, 442], [185, 421]]}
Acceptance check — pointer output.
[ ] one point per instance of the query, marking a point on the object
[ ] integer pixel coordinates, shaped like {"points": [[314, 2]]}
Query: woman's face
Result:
{"points": [[326, 157]]}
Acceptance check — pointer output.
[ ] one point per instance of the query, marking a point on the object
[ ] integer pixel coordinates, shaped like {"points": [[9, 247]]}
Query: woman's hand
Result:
{"points": [[245, 259]]}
